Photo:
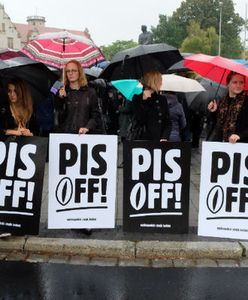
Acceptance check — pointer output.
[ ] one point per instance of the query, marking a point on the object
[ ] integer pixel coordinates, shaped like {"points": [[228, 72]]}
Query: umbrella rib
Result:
{"points": [[217, 90]]}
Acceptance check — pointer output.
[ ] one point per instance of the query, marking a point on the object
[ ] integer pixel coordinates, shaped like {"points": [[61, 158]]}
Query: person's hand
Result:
{"points": [[62, 92], [212, 106], [83, 130], [25, 131], [13, 132], [233, 138]]}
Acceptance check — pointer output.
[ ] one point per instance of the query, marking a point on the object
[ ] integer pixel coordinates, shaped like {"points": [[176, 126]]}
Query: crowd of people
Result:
{"points": [[80, 107], [83, 107]]}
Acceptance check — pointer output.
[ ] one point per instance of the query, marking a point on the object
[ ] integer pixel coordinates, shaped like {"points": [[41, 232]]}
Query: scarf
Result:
{"points": [[228, 111]]}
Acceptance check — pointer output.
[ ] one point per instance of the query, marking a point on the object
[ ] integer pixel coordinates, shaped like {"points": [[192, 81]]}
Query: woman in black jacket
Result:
{"points": [[151, 110], [77, 105]]}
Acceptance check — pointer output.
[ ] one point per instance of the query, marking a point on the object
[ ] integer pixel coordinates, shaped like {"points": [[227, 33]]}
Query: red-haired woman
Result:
{"points": [[77, 107]]}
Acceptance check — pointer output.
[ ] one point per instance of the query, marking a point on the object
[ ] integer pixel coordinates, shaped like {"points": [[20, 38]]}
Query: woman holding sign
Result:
{"points": [[17, 117], [230, 114], [151, 111], [77, 104]]}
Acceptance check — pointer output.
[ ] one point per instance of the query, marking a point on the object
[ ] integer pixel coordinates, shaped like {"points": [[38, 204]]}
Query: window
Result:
{"points": [[10, 43], [3, 27]]}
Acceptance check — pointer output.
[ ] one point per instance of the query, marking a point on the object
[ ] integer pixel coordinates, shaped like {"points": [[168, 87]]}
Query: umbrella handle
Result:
{"points": [[63, 46], [123, 64], [219, 84]]}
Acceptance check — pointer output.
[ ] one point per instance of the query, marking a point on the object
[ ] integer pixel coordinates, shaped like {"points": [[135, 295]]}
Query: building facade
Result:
{"points": [[17, 35], [9, 35]]}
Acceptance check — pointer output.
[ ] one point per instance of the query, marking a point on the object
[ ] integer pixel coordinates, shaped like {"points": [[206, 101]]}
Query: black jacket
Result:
{"points": [[154, 114], [78, 109], [7, 121]]}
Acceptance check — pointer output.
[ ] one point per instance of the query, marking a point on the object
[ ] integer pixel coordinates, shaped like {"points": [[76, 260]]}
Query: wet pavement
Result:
{"points": [[63, 281]]}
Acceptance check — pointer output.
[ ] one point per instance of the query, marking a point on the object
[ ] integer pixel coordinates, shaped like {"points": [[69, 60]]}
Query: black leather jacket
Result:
{"points": [[79, 109]]}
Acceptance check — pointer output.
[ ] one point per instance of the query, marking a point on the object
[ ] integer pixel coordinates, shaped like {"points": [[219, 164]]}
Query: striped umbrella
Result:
{"points": [[57, 48]]}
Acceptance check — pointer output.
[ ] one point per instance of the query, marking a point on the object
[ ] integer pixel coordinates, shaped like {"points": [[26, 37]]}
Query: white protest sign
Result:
{"points": [[82, 181], [223, 207]]}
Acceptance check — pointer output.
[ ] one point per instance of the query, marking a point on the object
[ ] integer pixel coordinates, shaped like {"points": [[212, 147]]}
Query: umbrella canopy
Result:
{"points": [[134, 62], [179, 66], [128, 87], [215, 68], [57, 48], [16, 64], [93, 72], [198, 101], [175, 83]]}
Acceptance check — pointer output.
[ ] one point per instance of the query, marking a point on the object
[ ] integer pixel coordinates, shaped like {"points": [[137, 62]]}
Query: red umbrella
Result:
{"points": [[215, 68], [57, 48]]}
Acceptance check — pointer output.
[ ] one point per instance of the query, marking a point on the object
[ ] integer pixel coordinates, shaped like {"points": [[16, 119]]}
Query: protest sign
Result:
{"points": [[22, 163], [223, 207], [82, 181], [156, 186]]}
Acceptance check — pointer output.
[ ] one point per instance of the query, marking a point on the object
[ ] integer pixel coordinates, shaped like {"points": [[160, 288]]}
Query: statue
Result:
{"points": [[146, 37]]}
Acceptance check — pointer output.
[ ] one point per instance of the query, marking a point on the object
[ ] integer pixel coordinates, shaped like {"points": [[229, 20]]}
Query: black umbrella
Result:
{"points": [[93, 72], [134, 62], [199, 101], [179, 66], [14, 64]]}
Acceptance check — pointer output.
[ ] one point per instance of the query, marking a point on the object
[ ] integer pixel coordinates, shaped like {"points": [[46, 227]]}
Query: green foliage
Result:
{"points": [[199, 40], [111, 50], [168, 32], [207, 13]]}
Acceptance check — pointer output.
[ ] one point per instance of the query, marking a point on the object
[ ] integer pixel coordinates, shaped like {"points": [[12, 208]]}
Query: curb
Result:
{"points": [[125, 249]]}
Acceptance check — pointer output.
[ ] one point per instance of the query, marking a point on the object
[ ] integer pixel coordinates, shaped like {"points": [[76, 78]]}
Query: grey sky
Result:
{"points": [[107, 20]]}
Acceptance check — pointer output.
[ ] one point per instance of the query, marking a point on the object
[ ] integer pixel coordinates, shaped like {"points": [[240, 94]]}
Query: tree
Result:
{"points": [[168, 32], [111, 50], [207, 14], [199, 40]]}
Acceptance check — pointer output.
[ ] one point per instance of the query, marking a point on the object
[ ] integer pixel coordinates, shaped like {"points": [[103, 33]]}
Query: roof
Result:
{"points": [[25, 30]]}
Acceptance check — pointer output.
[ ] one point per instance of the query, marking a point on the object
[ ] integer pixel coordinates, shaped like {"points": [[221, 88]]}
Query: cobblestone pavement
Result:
{"points": [[99, 261]]}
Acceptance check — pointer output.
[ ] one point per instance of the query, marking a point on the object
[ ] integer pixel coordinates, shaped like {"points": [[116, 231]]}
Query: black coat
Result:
{"points": [[154, 114], [7, 121], [79, 109]]}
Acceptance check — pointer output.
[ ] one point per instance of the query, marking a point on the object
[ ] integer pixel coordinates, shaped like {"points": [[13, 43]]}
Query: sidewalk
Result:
{"points": [[116, 244]]}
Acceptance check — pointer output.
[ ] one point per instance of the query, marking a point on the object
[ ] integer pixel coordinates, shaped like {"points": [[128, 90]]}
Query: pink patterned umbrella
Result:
{"points": [[57, 48]]}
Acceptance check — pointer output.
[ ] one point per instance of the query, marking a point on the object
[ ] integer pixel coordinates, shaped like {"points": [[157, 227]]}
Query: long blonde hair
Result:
{"points": [[82, 80], [24, 100], [151, 79]]}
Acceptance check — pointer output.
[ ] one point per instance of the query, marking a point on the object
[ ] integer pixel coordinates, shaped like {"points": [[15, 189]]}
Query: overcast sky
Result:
{"points": [[107, 20]]}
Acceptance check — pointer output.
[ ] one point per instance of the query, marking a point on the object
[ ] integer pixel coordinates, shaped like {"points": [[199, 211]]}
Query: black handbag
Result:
{"points": [[135, 131]]}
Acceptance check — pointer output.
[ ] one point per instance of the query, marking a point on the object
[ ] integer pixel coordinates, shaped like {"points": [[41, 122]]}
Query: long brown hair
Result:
{"points": [[82, 77], [24, 100], [151, 79]]}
